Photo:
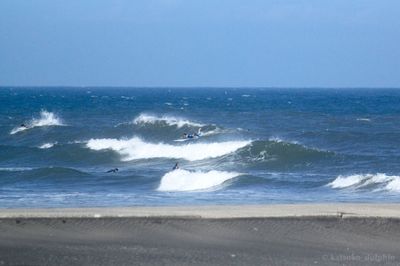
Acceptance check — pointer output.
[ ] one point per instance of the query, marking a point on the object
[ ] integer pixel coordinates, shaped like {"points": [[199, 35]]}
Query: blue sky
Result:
{"points": [[228, 43]]}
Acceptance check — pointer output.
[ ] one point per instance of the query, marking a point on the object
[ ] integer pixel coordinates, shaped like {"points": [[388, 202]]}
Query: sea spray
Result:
{"points": [[46, 119], [143, 119]]}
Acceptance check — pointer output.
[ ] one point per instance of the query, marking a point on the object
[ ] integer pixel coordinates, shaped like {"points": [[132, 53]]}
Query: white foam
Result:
{"points": [[45, 119], [386, 182], [364, 119], [346, 181], [182, 180], [169, 120], [77, 142], [127, 98], [211, 132], [135, 148], [17, 129], [275, 139], [279, 140], [47, 145], [394, 185], [12, 169]]}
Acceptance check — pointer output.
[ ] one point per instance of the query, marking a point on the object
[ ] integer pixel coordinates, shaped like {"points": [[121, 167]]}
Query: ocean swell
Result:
{"points": [[282, 151]]}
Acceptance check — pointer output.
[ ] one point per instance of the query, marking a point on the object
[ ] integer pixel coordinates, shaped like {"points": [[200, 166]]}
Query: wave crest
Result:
{"points": [[46, 119], [135, 148], [379, 181], [183, 180], [165, 119], [47, 145]]}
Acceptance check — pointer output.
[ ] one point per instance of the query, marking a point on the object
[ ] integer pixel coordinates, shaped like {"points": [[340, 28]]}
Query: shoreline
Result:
{"points": [[341, 210], [306, 234]]}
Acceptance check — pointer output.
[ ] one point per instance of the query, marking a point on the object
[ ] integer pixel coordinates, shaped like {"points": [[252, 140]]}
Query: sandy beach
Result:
{"points": [[318, 234]]}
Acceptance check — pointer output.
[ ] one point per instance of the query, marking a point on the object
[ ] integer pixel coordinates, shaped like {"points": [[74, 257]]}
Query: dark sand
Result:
{"points": [[199, 241]]}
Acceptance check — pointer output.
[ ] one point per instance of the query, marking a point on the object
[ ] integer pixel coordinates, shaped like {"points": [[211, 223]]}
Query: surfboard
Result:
{"points": [[186, 139], [181, 140]]}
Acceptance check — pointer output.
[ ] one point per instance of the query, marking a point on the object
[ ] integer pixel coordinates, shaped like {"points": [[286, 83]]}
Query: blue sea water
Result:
{"points": [[256, 146]]}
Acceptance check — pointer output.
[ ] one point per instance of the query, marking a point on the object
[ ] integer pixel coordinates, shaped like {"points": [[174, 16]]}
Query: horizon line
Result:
{"points": [[190, 87]]}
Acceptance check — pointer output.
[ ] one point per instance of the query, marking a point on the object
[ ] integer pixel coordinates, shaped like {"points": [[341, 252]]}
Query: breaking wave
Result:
{"points": [[47, 145], [183, 180], [143, 119], [135, 148], [45, 119], [279, 140], [377, 181]]}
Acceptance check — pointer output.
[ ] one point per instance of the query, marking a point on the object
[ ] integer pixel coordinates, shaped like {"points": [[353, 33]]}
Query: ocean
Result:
{"points": [[255, 146]]}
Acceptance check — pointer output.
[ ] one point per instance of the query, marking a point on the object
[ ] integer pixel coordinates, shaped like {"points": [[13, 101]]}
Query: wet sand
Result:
{"points": [[317, 234]]}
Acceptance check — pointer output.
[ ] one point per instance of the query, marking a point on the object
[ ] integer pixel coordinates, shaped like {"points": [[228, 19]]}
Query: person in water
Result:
{"points": [[23, 125], [176, 166], [188, 136], [113, 170], [192, 136]]}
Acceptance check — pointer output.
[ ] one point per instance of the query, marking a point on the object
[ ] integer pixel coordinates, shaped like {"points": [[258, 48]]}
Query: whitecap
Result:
{"points": [[17, 129], [46, 119], [394, 185], [275, 139], [280, 140], [15, 169], [135, 148], [183, 180], [346, 181], [77, 142], [211, 132], [169, 120], [127, 98], [364, 119], [47, 145], [357, 181]]}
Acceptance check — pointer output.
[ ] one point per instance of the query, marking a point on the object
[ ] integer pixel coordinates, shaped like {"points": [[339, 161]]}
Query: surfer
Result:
{"points": [[193, 135], [24, 126], [176, 166], [113, 170], [188, 136]]}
